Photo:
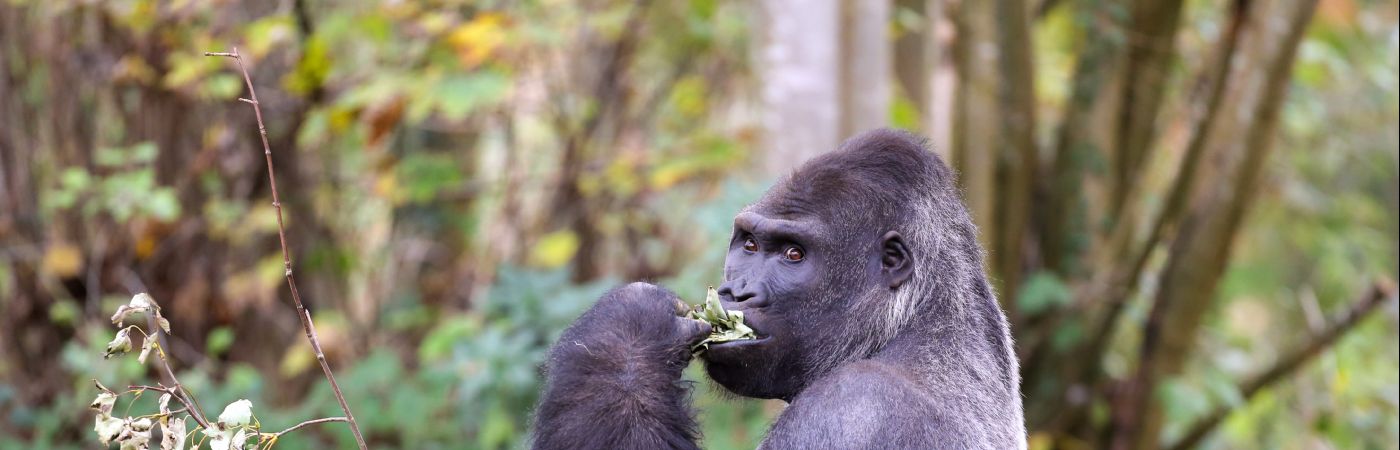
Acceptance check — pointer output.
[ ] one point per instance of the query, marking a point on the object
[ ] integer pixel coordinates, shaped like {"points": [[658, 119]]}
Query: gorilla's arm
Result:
{"points": [[613, 378]]}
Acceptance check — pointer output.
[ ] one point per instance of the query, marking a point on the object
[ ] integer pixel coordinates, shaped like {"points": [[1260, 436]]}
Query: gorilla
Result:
{"points": [[861, 275]]}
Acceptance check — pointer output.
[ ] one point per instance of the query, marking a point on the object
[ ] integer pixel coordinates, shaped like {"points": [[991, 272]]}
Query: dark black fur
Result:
{"points": [[885, 334]]}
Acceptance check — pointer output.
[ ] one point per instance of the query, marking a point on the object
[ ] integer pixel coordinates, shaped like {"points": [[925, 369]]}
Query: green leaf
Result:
{"points": [[75, 178], [219, 341], [119, 344], [438, 343], [458, 96], [163, 205], [1043, 291], [725, 325], [143, 152]]}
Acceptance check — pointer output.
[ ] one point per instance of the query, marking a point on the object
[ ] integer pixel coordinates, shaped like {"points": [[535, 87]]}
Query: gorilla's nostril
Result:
{"points": [[726, 292]]}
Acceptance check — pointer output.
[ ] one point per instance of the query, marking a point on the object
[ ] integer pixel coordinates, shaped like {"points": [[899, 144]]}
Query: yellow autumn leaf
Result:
{"points": [[386, 185], [554, 249], [478, 39], [297, 359], [62, 260]]}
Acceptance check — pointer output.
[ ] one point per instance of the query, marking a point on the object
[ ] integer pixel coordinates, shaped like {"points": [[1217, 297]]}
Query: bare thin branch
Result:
{"points": [[307, 423], [302, 313], [1381, 291], [177, 390], [175, 393]]}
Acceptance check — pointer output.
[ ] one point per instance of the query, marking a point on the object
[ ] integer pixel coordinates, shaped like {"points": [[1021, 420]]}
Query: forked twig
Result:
{"points": [[302, 313]]}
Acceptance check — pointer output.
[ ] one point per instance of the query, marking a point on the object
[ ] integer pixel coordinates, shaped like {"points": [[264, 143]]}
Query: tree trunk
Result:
{"points": [[1077, 144], [1151, 49], [938, 121], [865, 65], [801, 91], [1201, 249], [976, 134], [1016, 160], [913, 51]]}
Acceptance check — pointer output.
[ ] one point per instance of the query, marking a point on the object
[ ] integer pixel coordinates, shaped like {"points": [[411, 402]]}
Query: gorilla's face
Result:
{"points": [[772, 274], [795, 276]]}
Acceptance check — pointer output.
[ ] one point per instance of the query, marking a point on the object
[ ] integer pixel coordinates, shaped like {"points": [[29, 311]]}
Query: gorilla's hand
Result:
{"points": [[613, 378], [636, 319]]}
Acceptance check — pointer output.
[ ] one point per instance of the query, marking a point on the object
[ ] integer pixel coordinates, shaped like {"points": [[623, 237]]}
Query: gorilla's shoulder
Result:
{"points": [[864, 404]]}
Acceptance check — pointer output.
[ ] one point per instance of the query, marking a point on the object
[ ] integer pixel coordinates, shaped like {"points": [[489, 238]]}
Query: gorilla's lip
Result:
{"points": [[722, 351], [742, 342]]}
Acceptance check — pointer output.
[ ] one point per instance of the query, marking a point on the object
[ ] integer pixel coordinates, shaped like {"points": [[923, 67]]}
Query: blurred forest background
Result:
{"points": [[1190, 207]]}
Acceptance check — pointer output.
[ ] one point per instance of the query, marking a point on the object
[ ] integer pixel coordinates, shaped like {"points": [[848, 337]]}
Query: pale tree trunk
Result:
{"points": [[924, 68], [976, 133], [826, 75], [801, 94], [938, 122], [865, 65], [1201, 249]]}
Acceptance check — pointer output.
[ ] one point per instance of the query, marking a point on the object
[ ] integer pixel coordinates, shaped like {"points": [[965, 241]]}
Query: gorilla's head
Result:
{"points": [[840, 259]]}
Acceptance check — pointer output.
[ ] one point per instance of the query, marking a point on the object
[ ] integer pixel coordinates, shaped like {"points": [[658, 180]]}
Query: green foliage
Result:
{"points": [[126, 190], [1042, 291]]}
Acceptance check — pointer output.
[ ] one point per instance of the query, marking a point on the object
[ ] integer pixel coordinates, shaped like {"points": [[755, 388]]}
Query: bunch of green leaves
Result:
{"points": [[725, 325]]}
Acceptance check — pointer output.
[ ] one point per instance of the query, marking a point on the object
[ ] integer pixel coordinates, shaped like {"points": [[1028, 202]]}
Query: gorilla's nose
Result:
{"points": [[737, 291]]}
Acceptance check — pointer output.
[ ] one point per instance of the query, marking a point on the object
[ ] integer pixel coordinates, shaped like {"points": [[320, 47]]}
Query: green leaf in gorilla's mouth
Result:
{"points": [[725, 325]]}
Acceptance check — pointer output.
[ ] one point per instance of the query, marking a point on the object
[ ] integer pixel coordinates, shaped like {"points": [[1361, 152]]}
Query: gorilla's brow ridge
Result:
{"points": [[757, 224]]}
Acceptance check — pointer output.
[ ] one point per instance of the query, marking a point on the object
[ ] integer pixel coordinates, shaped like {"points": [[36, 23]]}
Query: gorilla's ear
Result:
{"points": [[896, 265]]}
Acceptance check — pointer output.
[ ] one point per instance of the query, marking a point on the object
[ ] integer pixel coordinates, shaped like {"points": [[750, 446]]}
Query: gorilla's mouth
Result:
{"points": [[742, 342], [761, 337], [730, 350], [722, 351]]}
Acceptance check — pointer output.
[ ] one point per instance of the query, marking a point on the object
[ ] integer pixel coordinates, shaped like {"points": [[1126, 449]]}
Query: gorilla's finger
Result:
{"points": [[693, 330], [681, 307]]}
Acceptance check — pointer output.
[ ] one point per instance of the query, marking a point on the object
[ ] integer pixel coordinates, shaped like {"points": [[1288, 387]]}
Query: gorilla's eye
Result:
{"points": [[750, 246], [793, 254]]}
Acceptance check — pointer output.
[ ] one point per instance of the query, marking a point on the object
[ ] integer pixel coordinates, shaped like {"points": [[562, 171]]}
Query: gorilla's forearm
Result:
{"points": [[615, 388]]}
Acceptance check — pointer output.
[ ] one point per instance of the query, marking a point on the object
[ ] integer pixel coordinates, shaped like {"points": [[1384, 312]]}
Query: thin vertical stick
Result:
{"points": [[302, 313]]}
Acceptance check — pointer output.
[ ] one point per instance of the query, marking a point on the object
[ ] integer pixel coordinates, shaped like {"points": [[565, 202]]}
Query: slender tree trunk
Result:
{"points": [[1151, 49], [865, 65], [913, 50], [1201, 249], [976, 134], [1016, 160], [1076, 146], [801, 90], [938, 121]]}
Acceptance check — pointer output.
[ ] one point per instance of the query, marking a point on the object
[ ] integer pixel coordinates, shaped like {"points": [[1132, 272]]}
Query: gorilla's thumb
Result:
{"points": [[693, 330]]}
